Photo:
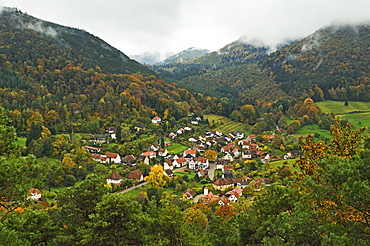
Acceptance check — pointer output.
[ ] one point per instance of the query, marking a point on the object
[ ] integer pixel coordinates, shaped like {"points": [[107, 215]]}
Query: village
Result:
{"points": [[206, 159]]}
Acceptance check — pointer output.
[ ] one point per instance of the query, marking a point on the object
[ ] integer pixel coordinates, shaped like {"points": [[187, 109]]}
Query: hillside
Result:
{"points": [[331, 63], [335, 58], [236, 53], [34, 41], [62, 77]]}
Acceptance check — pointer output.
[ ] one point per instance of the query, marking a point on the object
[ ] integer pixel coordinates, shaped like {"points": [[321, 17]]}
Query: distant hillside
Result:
{"points": [[332, 63], [236, 53], [151, 58], [186, 55], [35, 40]]}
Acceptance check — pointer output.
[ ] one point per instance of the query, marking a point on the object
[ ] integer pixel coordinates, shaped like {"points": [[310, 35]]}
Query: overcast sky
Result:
{"points": [[137, 26]]}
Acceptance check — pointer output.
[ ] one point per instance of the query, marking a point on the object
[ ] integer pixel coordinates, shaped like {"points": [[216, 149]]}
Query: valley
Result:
{"points": [[241, 146]]}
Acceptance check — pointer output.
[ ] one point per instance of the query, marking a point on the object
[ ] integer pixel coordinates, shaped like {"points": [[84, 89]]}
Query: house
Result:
{"points": [[199, 163], [155, 147], [194, 122], [191, 152], [239, 134], [156, 120], [220, 163], [168, 173], [241, 182], [135, 175], [202, 138], [100, 139], [34, 194], [235, 152], [140, 127], [251, 138], [232, 196], [188, 128], [223, 201], [113, 157], [179, 162], [180, 131], [188, 194], [222, 184], [265, 181], [202, 173], [193, 140], [91, 149], [200, 148], [96, 157], [246, 154], [172, 135], [208, 197], [150, 154], [144, 159], [168, 164], [114, 178], [228, 157], [162, 152], [110, 130], [129, 160]]}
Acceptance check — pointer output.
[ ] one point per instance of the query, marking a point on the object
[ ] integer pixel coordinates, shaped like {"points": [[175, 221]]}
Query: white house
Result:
{"points": [[113, 157], [156, 120], [179, 162], [114, 178], [199, 163], [35, 194]]}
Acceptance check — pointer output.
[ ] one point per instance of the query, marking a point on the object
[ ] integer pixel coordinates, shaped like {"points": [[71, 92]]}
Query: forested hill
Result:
{"points": [[28, 41], [333, 63], [63, 77], [236, 53]]}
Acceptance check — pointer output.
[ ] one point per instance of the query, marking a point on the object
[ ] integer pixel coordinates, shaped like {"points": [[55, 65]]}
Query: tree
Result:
{"points": [[211, 155], [75, 205], [117, 220], [32, 225], [7, 135], [156, 178], [17, 176]]}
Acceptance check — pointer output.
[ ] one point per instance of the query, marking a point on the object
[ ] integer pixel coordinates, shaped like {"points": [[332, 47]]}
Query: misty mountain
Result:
{"points": [[157, 59], [35, 39], [52, 69], [235, 53], [186, 55], [333, 61], [152, 58]]}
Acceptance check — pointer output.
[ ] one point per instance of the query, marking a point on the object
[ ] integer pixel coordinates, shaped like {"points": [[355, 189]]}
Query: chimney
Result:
{"points": [[205, 190]]}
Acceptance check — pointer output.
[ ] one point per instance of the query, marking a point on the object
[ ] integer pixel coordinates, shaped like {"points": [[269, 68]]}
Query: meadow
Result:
{"points": [[357, 113]]}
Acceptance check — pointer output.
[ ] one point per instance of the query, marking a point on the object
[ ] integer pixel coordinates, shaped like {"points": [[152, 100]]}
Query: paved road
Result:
{"points": [[211, 170], [144, 183]]}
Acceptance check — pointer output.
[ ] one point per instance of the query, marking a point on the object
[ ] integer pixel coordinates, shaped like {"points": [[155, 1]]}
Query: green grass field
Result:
{"points": [[226, 125], [337, 107], [281, 163], [176, 148], [312, 129], [344, 112]]}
